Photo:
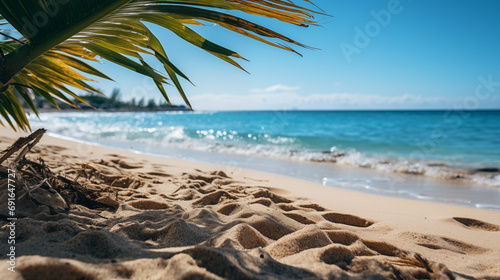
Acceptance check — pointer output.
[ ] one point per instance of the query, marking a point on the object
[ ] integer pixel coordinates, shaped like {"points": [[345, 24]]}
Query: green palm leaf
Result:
{"points": [[57, 36]]}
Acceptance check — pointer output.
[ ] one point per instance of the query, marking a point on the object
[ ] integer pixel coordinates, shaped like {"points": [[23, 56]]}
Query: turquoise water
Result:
{"points": [[438, 144], [470, 140]]}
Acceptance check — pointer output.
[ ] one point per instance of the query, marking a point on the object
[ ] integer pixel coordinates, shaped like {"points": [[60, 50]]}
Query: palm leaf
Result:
{"points": [[58, 36]]}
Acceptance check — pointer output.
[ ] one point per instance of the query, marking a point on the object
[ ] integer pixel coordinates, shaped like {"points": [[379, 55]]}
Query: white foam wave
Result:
{"points": [[401, 165]]}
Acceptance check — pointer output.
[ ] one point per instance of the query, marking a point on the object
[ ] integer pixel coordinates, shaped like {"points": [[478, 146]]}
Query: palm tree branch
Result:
{"points": [[54, 56]]}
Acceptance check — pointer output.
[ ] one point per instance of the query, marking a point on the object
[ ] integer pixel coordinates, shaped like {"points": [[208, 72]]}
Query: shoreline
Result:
{"points": [[184, 136], [457, 236], [414, 186]]}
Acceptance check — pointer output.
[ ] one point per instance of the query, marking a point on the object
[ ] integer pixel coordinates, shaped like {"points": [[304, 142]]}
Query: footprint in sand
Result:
{"points": [[127, 164], [435, 242], [347, 219], [299, 218], [159, 174], [149, 204], [477, 224], [313, 206]]}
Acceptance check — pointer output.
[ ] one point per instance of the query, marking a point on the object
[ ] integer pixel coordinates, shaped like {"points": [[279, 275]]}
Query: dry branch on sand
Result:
{"points": [[37, 184]]}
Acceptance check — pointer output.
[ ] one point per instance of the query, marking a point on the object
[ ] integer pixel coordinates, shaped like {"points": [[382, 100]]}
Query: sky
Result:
{"points": [[370, 54]]}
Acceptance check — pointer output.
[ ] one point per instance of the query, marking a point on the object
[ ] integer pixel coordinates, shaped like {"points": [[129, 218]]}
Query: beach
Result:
{"points": [[137, 141], [164, 218]]}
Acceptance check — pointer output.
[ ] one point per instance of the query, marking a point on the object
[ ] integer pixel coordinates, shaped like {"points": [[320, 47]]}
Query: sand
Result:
{"points": [[162, 218]]}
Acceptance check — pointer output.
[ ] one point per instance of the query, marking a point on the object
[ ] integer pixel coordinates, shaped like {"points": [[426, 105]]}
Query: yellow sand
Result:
{"points": [[176, 219]]}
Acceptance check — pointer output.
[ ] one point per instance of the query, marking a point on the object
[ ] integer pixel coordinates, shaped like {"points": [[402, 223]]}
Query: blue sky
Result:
{"points": [[427, 54]]}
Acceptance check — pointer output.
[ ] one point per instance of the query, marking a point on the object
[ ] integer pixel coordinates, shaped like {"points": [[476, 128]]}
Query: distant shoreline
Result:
{"points": [[101, 103], [112, 110]]}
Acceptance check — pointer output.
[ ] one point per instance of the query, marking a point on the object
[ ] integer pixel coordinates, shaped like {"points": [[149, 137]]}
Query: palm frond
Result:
{"points": [[58, 36]]}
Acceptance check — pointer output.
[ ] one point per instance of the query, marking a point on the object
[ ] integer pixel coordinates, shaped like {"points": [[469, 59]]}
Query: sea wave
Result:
{"points": [[249, 143]]}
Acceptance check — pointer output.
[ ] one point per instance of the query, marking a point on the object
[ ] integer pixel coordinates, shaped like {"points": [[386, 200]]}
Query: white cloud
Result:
{"points": [[275, 88], [333, 101]]}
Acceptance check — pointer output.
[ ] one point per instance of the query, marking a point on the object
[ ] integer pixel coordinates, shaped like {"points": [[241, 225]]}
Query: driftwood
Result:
{"points": [[37, 183], [26, 142]]}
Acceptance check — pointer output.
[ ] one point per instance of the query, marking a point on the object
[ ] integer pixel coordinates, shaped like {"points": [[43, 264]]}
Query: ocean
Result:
{"points": [[444, 156]]}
